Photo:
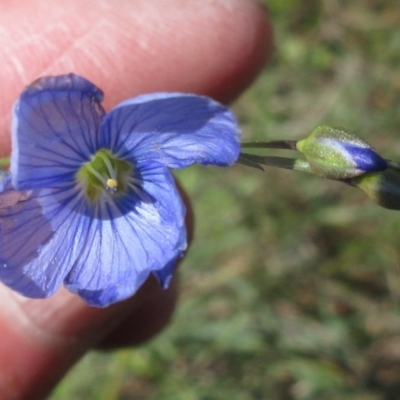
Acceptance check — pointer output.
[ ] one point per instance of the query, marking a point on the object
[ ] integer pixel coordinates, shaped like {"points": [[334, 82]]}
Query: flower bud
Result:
{"points": [[336, 153], [382, 187]]}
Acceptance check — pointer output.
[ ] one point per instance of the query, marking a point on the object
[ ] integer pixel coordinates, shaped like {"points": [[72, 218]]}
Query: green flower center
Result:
{"points": [[104, 175]]}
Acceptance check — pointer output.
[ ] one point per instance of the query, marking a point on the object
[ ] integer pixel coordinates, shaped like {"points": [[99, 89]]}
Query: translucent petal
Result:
{"points": [[140, 232], [55, 127], [174, 129], [41, 235]]}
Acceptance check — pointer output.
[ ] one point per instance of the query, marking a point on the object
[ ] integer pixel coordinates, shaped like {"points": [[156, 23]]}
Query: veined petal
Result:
{"points": [[41, 235], [174, 129], [142, 231], [55, 126]]}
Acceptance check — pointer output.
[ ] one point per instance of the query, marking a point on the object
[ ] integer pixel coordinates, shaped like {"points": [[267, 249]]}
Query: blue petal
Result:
{"points": [[142, 232], [366, 159], [55, 126], [41, 235], [110, 248], [165, 274], [174, 129]]}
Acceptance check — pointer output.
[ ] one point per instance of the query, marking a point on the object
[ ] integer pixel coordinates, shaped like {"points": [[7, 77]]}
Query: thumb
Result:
{"points": [[128, 48]]}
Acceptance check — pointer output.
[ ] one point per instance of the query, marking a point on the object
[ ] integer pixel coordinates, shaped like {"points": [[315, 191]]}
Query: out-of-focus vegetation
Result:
{"points": [[291, 289]]}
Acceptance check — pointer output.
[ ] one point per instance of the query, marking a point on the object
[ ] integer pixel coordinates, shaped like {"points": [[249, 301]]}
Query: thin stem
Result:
{"points": [[249, 163], [273, 144], [279, 162], [394, 164]]}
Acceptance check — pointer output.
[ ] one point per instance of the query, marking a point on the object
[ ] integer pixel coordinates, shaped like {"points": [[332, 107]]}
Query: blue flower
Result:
{"points": [[90, 202]]}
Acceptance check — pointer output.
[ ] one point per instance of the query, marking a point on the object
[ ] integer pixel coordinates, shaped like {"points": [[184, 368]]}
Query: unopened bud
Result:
{"points": [[382, 187], [336, 153]]}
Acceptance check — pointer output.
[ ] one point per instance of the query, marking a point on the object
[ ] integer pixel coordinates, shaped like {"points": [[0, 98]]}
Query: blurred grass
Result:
{"points": [[291, 289]]}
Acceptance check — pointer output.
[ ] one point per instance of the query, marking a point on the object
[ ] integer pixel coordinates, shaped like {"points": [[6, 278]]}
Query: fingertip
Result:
{"points": [[145, 321], [251, 49], [215, 48]]}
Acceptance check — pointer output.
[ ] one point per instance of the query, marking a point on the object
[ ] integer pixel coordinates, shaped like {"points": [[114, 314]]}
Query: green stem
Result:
{"points": [[273, 144], [394, 165], [253, 160]]}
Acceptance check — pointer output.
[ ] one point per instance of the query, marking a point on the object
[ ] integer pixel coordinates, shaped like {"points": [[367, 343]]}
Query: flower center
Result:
{"points": [[104, 176]]}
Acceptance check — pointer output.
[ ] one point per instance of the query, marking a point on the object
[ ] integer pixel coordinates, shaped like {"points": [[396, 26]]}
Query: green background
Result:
{"points": [[291, 289]]}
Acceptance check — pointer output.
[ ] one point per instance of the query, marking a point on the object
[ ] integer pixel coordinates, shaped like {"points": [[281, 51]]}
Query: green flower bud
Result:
{"points": [[336, 153]]}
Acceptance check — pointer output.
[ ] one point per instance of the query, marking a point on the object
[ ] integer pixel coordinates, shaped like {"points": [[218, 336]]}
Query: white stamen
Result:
{"points": [[110, 182], [97, 174], [111, 170]]}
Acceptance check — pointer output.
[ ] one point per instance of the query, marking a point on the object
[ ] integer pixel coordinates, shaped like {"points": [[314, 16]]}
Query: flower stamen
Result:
{"points": [[105, 174], [111, 170], [96, 174]]}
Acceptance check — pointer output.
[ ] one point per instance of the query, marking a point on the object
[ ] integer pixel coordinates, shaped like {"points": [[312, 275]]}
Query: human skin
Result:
{"points": [[212, 47]]}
